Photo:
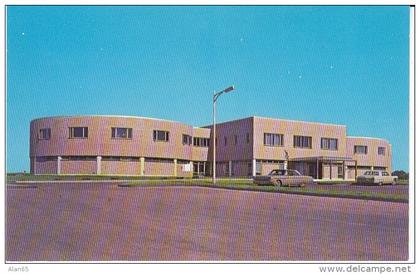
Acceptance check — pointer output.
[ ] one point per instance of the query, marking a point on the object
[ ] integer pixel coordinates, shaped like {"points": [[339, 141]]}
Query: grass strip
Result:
{"points": [[246, 185]]}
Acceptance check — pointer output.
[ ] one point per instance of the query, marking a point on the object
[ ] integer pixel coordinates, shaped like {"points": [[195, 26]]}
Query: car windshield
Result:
{"points": [[368, 173], [292, 172], [278, 172]]}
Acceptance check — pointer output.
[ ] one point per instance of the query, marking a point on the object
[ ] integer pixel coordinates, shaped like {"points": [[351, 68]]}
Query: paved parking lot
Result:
{"points": [[80, 222]]}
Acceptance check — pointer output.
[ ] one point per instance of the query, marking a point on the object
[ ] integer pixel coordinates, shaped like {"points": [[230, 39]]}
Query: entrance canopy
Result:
{"points": [[325, 160]]}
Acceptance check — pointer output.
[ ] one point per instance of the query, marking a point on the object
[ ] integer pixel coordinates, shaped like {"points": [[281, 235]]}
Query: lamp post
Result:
{"points": [[215, 96]]}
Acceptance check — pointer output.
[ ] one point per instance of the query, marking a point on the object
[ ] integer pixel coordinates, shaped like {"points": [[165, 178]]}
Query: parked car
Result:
{"points": [[376, 177], [283, 177]]}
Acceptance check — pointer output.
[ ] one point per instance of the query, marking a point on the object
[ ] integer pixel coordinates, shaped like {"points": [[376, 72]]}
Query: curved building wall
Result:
{"points": [[372, 156], [371, 159], [100, 142], [101, 153]]}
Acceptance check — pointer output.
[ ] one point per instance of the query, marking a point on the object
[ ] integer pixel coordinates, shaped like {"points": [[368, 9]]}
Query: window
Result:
{"points": [[249, 168], [272, 139], [201, 142], [375, 173], [381, 150], [78, 132], [329, 143], [78, 158], [302, 141], [279, 172], [159, 160], [291, 172], [384, 173], [226, 168], [247, 138], [160, 136], [258, 168], [121, 158], [186, 139], [236, 139], [340, 171], [121, 133], [360, 149], [225, 140], [44, 134]]}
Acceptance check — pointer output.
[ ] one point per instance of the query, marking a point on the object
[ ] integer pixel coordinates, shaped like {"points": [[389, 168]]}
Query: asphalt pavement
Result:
{"points": [[104, 222]]}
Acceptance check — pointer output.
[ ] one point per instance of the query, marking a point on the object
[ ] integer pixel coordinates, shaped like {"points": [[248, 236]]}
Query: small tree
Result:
{"points": [[402, 175]]}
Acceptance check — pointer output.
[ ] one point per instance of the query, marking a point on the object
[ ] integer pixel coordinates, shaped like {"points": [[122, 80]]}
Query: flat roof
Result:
{"points": [[230, 121], [114, 116], [298, 121], [278, 119], [362, 137]]}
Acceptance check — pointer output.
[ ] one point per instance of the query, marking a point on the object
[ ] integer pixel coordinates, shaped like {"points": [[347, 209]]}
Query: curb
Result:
{"points": [[345, 196]]}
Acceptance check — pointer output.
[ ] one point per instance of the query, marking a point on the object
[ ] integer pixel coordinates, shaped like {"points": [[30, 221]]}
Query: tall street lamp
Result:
{"points": [[215, 96]]}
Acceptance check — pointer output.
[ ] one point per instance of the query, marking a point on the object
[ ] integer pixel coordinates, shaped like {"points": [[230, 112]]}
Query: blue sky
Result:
{"points": [[344, 65]]}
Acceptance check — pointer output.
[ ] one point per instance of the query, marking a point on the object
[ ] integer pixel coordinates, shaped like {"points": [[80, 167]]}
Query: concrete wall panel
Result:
{"points": [[46, 166], [78, 167], [120, 167], [158, 168]]}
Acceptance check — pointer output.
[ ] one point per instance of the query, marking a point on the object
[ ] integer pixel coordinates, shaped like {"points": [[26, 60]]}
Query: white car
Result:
{"points": [[378, 177]]}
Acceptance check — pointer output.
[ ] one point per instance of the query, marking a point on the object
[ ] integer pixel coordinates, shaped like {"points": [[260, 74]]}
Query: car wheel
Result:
{"points": [[394, 182], [380, 183], [279, 183]]}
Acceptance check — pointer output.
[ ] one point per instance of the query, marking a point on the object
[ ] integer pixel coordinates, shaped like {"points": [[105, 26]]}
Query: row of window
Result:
{"points": [[112, 158], [364, 150], [376, 173], [196, 141], [274, 139], [126, 133], [270, 139], [235, 140]]}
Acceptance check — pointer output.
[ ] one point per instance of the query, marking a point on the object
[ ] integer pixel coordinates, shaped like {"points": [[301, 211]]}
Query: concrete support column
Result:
{"points": [[59, 165], [204, 171], [355, 169], [142, 166], [192, 167], [98, 164], [230, 168], [317, 169], [330, 170], [371, 168], [254, 167], [344, 171], [175, 167], [285, 164]]}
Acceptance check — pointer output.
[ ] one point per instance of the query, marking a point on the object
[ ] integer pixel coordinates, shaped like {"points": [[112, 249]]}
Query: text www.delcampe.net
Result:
{"points": [[365, 269]]}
